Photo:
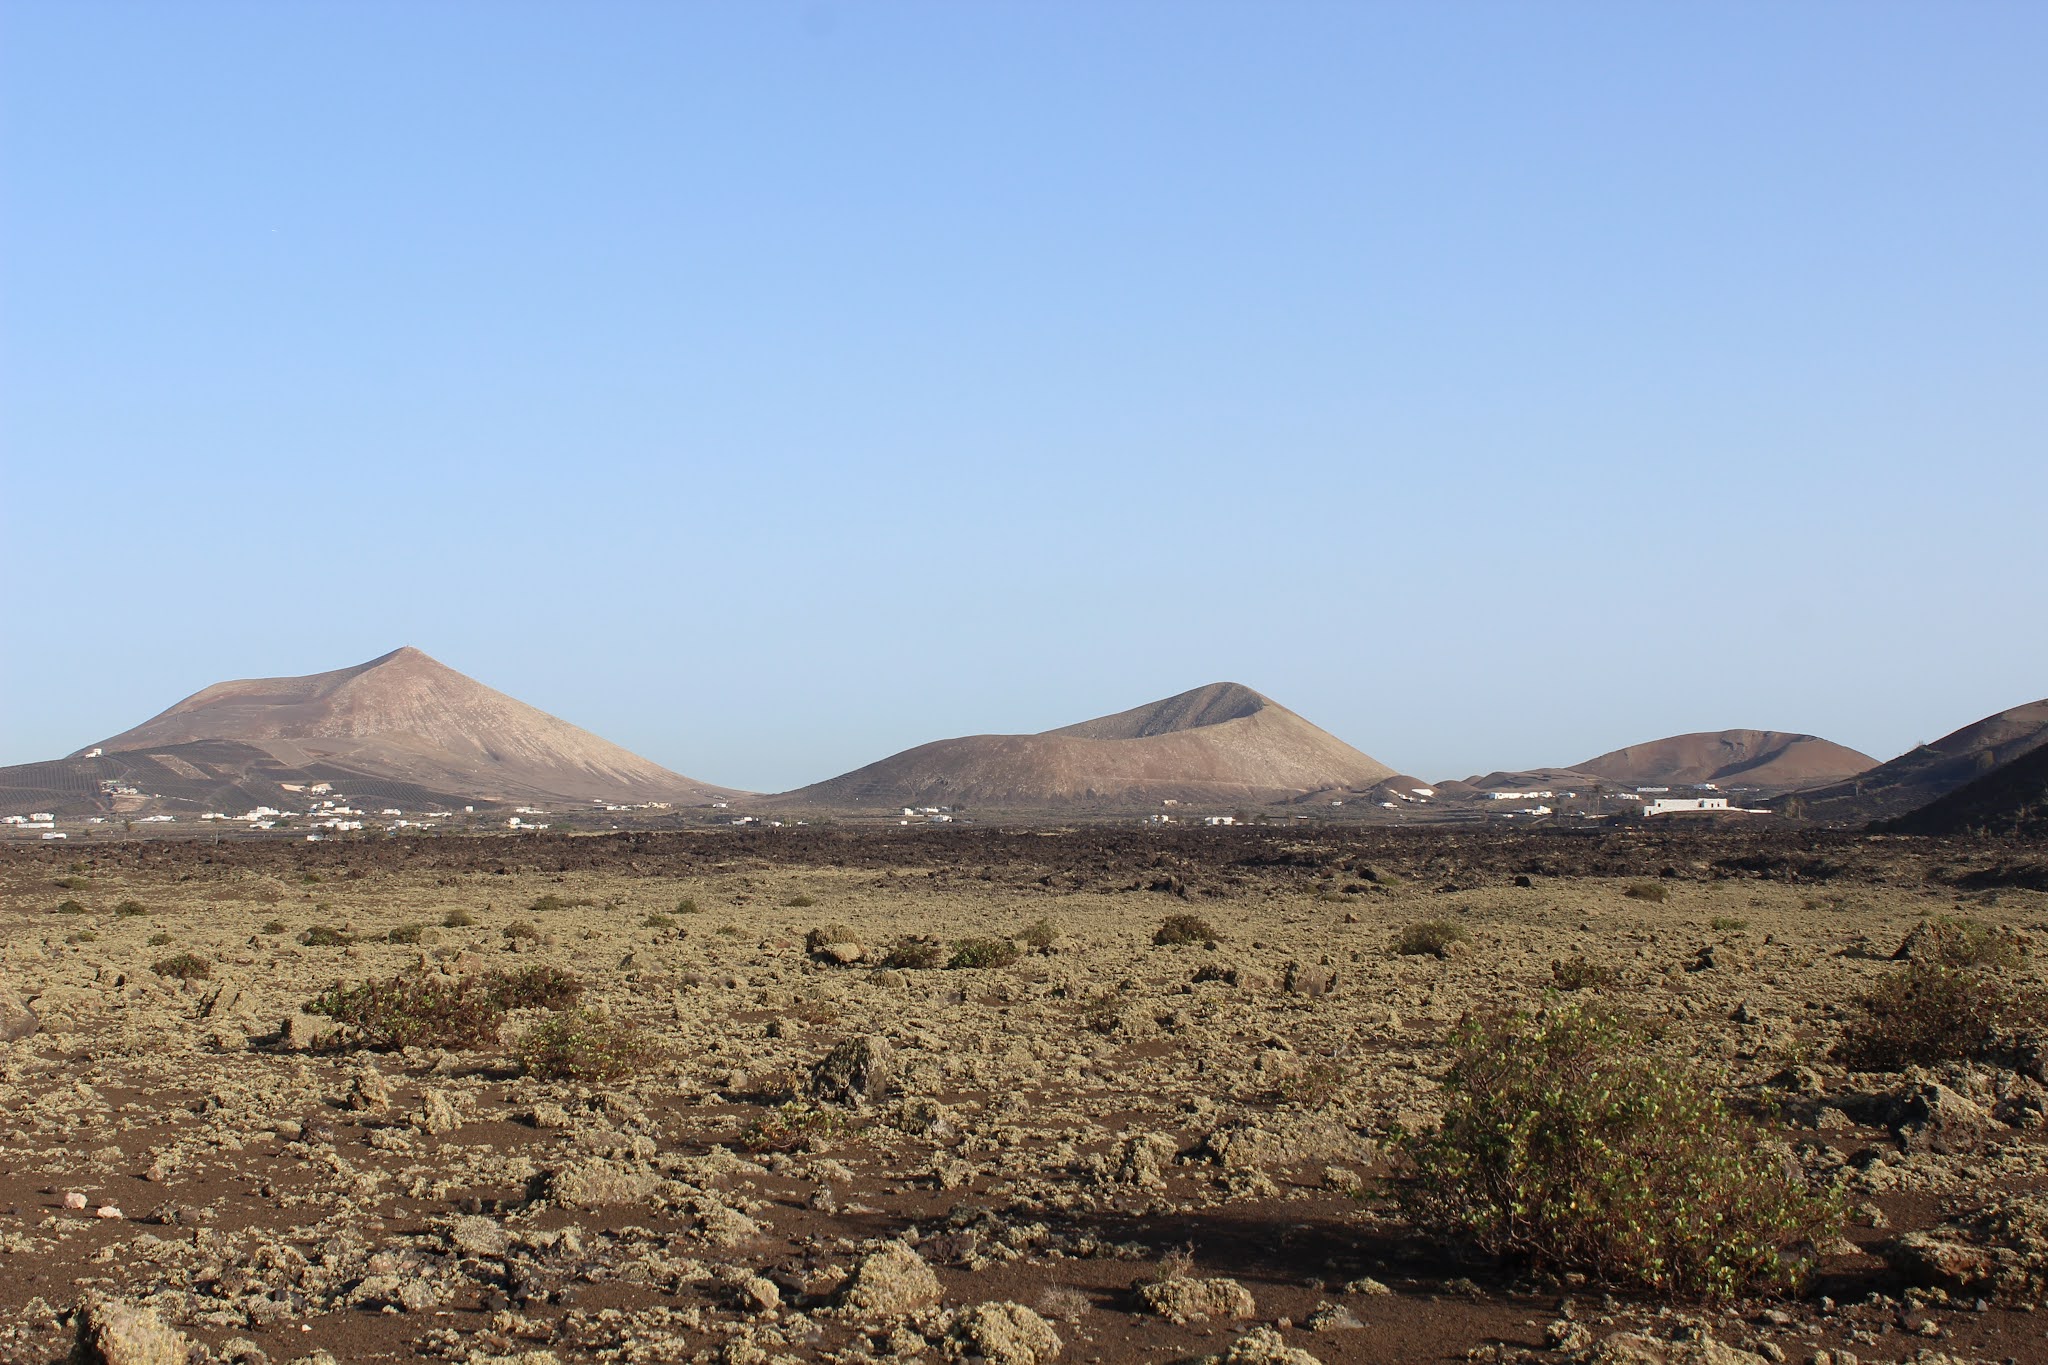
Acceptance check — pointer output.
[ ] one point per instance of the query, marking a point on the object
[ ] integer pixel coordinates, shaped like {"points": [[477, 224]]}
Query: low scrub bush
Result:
{"points": [[687, 906], [542, 987], [184, 967], [1430, 938], [1727, 924], [159, 939], [1577, 973], [1926, 1013], [801, 901], [326, 936], [405, 934], [1652, 892], [798, 1125], [827, 934], [71, 907], [1959, 941], [914, 952], [548, 904], [1175, 929], [457, 919], [1316, 1084], [429, 1009], [276, 926], [131, 909], [1040, 934], [523, 930], [983, 952], [658, 921], [582, 1044], [1566, 1146], [72, 884]]}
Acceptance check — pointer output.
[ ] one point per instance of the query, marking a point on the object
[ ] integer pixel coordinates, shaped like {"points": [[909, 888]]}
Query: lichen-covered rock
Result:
{"points": [[303, 1032], [1002, 1334], [436, 1114], [1640, 1348], [2000, 1251], [1284, 1140], [1140, 1160], [1262, 1346], [369, 1091], [1931, 1117], [1184, 1299], [1313, 982], [594, 1184], [476, 1235], [889, 1282], [111, 1332], [857, 1072]]}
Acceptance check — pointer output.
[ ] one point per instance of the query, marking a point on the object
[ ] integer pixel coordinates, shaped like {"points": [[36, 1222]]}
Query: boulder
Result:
{"points": [[111, 1332], [1002, 1334], [1931, 1117], [890, 1282], [17, 1020], [1641, 1348], [856, 1072], [1184, 1299]]}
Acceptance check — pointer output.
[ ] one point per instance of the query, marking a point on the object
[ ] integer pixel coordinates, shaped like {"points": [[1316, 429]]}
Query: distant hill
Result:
{"points": [[1914, 779], [1767, 759], [2011, 799], [1219, 744], [402, 724]]}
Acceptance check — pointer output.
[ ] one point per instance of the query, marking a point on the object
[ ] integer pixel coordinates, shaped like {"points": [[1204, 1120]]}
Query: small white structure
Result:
{"points": [[94, 753], [1678, 805], [1219, 819]]}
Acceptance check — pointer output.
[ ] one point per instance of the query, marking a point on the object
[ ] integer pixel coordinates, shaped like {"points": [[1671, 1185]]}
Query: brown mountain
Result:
{"points": [[1219, 744], [1917, 777], [403, 719], [1768, 759], [2011, 800]]}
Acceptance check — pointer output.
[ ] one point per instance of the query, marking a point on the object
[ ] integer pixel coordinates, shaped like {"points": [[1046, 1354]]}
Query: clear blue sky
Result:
{"points": [[771, 387]]}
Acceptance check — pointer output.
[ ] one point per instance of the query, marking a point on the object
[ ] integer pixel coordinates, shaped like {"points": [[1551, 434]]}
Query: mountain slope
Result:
{"points": [[1917, 777], [406, 718], [2011, 799], [1220, 743], [1769, 759]]}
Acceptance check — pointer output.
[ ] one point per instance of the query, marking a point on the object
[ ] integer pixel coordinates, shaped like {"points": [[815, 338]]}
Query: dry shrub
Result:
{"points": [[523, 930], [1430, 938], [1577, 973], [1928, 1013], [1318, 1083], [429, 1009], [70, 907], [798, 1125], [983, 952], [658, 920], [915, 952], [1176, 929], [550, 903], [1652, 892], [1566, 1146], [1040, 934], [826, 935], [457, 919], [405, 934], [326, 936], [131, 909], [184, 967], [801, 901], [582, 1045]]}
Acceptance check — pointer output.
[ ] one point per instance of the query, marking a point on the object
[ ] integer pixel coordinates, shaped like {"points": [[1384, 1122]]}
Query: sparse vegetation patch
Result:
{"points": [[1431, 938], [1183, 928]]}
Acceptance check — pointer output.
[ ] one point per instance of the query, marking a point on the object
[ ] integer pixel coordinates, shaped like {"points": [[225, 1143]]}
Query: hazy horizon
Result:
{"points": [[768, 389]]}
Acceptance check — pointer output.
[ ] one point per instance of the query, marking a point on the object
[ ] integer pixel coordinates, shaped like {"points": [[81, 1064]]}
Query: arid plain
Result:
{"points": [[1103, 1148]]}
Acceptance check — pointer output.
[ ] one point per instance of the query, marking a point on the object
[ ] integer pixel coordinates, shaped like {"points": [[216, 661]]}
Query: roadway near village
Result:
{"points": [[1081, 1094]]}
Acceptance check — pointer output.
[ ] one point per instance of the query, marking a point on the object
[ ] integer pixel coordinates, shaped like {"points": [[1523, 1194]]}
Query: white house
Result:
{"points": [[1675, 805]]}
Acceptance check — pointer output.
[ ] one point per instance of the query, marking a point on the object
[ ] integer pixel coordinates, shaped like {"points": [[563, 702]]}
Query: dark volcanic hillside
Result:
{"points": [[402, 725], [1222, 743], [1914, 779], [2009, 801], [1768, 759]]}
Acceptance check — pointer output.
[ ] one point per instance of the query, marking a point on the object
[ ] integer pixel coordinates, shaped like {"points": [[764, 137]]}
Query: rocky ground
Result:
{"points": [[1105, 1150]]}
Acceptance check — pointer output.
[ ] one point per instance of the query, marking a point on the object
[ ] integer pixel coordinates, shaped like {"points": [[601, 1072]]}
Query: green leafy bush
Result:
{"points": [[1184, 928], [1646, 891], [983, 952], [581, 1045], [542, 987], [1927, 1013], [914, 952], [417, 1009], [1567, 1146], [184, 967], [1430, 938]]}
